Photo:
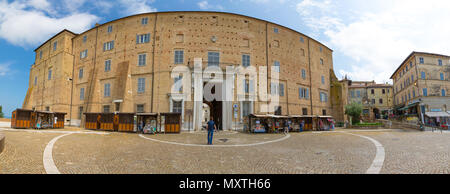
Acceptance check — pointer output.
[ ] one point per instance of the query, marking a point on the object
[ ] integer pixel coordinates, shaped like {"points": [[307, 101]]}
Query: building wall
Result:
{"points": [[413, 92], [191, 32]]}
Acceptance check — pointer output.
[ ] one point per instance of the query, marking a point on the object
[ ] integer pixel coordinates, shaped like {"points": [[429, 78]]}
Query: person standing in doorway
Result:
{"points": [[211, 128]]}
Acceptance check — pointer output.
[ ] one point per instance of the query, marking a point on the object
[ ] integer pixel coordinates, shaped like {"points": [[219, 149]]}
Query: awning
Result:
{"points": [[437, 114], [409, 106]]}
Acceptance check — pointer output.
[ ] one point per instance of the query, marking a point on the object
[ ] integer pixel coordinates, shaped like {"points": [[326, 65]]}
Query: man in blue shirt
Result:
{"points": [[211, 128]]}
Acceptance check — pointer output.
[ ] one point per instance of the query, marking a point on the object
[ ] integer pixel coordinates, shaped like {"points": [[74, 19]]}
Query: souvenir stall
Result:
{"points": [[124, 122], [59, 120], [92, 121], [279, 122], [42, 120], [301, 123], [21, 119], [107, 121], [147, 123], [259, 123], [170, 122], [324, 123]]}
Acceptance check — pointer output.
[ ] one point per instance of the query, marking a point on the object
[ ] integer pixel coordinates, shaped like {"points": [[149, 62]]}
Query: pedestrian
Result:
{"points": [[302, 126], [211, 128]]}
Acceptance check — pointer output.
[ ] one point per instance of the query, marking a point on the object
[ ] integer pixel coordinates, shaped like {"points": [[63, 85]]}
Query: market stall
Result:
{"points": [[42, 119], [124, 122], [259, 123], [170, 122], [21, 119], [279, 122], [324, 123], [302, 123], [107, 121], [147, 122], [59, 120], [92, 121]]}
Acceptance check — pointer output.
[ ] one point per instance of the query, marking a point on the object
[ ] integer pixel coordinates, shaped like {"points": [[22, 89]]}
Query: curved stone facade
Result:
{"points": [[101, 67]]}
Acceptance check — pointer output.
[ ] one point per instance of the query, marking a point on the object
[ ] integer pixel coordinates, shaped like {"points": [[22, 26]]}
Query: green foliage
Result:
{"points": [[1, 113], [354, 110]]}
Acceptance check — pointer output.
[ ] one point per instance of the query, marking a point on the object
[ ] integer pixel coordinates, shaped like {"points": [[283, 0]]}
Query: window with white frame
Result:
{"points": [[108, 46], [144, 21], [179, 57], [246, 108], [84, 54], [323, 97], [140, 108], [142, 38], [303, 73], [303, 93], [110, 28], [107, 90], [108, 65], [177, 106], [141, 85], [84, 38], [178, 81], [50, 74], [213, 58], [142, 59], [81, 93]]}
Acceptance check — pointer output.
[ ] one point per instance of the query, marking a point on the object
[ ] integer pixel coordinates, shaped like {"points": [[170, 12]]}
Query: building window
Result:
{"points": [[302, 39], [81, 93], [35, 80], [246, 60], [179, 57], [141, 85], [50, 74], [142, 59], [372, 91], [144, 21], [47, 108], [305, 111], [425, 91], [246, 108], [321, 61], [275, 30], [440, 62], [178, 81], [177, 107], [110, 28], [40, 55], [381, 101], [276, 64], [55, 46], [323, 97], [277, 89], [320, 49], [84, 54], [278, 110], [324, 112], [80, 112], [414, 93], [213, 58], [383, 91], [108, 46], [443, 92], [406, 68], [81, 73], [410, 64], [423, 75], [108, 65], [143, 38], [358, 94], [373, 101], [140, 108], [107, 90], [303, 93], [281, 92], [303, 73], [323, 79], [422, 61], [84, 39], [303, 52], [106, 109], [442, 76]]}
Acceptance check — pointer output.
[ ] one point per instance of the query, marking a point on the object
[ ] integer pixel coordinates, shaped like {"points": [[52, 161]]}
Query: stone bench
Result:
{"points": [[2, 142]]}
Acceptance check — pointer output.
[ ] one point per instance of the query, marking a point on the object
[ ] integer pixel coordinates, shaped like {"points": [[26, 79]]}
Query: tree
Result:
{"points": [[1, 113], [354, 110]]}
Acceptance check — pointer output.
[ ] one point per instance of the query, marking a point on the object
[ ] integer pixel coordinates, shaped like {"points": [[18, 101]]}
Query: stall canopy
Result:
{"points": [[409, 106], [437, 114]]}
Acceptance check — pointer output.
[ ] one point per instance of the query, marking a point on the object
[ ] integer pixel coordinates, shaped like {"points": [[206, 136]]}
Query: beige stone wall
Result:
{"points": [[191, 32]]}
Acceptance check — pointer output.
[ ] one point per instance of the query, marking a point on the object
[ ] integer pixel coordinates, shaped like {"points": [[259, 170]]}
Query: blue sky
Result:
{"points": [[369, 38]]}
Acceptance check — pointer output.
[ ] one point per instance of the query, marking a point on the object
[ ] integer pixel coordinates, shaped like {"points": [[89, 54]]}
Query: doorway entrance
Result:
{"points": [[376, 113], [215, 107]]}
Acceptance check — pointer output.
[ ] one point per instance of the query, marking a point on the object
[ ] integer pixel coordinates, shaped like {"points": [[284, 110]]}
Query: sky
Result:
{"points": [[369, 38]]}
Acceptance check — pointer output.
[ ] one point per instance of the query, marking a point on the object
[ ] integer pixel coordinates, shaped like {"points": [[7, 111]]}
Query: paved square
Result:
{"points": [[76, 151]]}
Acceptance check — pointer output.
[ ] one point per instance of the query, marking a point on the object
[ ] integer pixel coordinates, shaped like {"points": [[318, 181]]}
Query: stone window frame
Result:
{"points": [[80, 73], [108, 63], [82, 92], [144, 21], [142, 59], [143, 38], [107, 46], [141, 85], [107, 90], [246, 60], [213, 58], [179, 56]]}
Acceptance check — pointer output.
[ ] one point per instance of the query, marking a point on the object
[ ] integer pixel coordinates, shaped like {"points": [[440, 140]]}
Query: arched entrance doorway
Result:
{"points": [[376, 113], [215, 107]]}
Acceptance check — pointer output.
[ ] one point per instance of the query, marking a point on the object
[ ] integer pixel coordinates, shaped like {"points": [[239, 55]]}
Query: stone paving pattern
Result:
{"points": [[316, 153]]}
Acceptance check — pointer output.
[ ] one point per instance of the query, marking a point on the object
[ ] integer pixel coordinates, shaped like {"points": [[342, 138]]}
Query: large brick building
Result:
{"points": [[377, 99], [421, 85], [126, 65]]}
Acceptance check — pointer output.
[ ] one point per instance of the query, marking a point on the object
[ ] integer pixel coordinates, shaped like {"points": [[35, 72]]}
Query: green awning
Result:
{"points": [[409, 106]]}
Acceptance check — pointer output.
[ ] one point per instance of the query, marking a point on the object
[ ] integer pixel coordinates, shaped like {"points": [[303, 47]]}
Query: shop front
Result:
{"points": [[147, 123]]}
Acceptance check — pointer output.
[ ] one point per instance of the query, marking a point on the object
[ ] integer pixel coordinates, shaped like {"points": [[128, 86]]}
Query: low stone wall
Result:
{"points": [[2, 142]]}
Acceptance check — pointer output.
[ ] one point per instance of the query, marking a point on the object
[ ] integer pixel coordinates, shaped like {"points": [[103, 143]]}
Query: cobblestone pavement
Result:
{"points": [[318, 153]]}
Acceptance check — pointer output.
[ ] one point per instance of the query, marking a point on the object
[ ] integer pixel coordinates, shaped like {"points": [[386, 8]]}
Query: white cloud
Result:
{"points": [[378, 41], [204, 5], [137, 6], [4, 69], [27, 26]]}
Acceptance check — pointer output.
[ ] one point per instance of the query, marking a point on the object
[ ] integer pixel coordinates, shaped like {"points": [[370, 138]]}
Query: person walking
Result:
{"points": [[211, 128]]}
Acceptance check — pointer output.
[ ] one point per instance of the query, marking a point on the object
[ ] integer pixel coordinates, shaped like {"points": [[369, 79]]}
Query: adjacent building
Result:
{"points": [[377, 99], [127, 65], [421, 86]]}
